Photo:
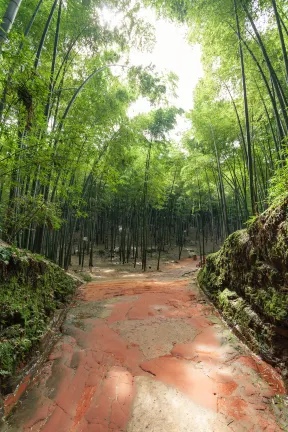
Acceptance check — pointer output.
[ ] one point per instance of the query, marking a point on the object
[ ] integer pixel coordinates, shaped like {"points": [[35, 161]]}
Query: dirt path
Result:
{"points": [[148, 355]]}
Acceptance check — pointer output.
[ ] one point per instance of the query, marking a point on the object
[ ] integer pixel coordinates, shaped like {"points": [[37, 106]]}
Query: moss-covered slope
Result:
{"points": [[248, 280], [32, 289]]}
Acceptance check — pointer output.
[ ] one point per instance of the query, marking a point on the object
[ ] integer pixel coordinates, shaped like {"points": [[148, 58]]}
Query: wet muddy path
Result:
{"points": [[148, 353]]}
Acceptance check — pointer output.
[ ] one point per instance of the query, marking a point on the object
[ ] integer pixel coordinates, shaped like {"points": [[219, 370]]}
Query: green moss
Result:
{"points": [[226, 296], [270, 301], [31, 289], [247, 279], [280, 408], [211, 275], [7, 358]]}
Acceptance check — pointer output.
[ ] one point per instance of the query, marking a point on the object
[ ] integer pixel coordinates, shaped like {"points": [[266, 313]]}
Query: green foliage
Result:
{"points": [[5, 254], [246, 279], [66, 140], [7, 356], [32, 210], [251, 221], [149, 85], [163, 121], [218, 140], [31, 289], [278, 186], [86, 276]]}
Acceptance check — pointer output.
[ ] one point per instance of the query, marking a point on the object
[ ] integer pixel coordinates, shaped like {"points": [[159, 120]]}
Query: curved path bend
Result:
{"points": [[148, 355]]}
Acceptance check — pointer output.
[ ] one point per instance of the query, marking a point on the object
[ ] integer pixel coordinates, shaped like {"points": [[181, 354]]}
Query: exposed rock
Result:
{"points": [[33, 297], [248, 280]]}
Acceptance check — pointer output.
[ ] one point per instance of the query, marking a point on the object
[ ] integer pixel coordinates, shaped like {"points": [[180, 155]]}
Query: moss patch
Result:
{"points": [[31, 290], [248, 280]]}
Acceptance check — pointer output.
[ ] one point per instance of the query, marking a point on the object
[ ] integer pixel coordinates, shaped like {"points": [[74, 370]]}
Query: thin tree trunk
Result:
{"points": [[283, 46], [246, 112], [8, 19], [44, 34]]}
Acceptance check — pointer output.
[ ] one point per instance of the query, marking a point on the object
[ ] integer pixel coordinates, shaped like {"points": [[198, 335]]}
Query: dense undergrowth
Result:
{"points": [[248, 280], [31, 289]]}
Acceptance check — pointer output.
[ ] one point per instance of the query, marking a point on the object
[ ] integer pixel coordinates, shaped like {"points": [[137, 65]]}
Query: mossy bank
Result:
{"points": [[33, 295], [248, 280]]}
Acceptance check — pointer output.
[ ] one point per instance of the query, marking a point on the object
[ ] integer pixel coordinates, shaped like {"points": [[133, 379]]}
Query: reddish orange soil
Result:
{"points": [[160, 328]]}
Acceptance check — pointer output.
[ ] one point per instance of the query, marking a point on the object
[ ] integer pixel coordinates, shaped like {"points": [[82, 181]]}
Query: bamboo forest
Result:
{"points": [[143, 215]]}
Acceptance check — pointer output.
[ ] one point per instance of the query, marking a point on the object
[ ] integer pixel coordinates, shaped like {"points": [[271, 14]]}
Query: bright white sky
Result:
{"points": [[171, 53]]}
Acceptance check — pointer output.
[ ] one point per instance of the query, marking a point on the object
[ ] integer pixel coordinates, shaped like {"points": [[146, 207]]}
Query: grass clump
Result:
{"points": [[86, 276]]}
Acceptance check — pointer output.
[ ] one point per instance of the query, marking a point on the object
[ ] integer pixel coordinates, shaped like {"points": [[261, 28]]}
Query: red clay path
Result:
{"points": [[148, 355]]}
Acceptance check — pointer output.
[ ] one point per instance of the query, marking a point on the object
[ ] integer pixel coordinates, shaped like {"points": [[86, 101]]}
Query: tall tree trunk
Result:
{"points": [[53, 63], [8, 19], [246, 112], [278, 88], [43, 37], [221, 187], [283, 46]]}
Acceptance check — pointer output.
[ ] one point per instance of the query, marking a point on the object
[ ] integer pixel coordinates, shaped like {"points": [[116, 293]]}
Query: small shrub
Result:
{"points": [[86, 276], [5, 254]]}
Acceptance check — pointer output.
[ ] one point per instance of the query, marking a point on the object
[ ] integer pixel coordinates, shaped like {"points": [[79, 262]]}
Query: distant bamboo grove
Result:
{"points": [[77, 172]]}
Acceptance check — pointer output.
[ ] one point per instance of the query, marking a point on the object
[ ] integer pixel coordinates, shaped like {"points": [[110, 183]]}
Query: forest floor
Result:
{"points": [[148, 353]]}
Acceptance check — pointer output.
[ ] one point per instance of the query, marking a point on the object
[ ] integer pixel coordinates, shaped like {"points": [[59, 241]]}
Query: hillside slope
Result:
{"points": [[247, 279], [33, 294]]}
